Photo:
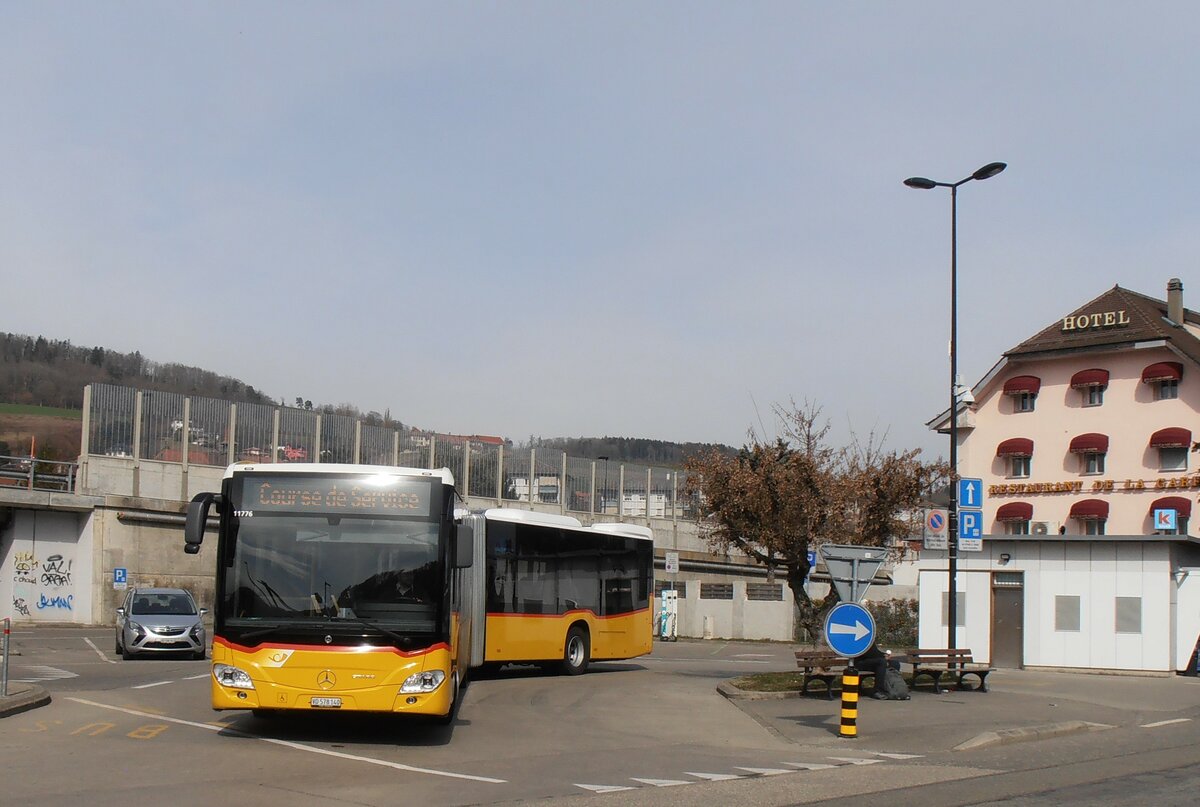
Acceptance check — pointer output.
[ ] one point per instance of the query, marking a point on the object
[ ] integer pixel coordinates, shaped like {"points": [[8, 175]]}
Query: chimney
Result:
{"points": [[1175, 300]]}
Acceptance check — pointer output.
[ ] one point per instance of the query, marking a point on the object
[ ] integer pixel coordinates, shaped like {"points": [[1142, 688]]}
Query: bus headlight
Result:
{"points": [[232, 677], [426, 681]]}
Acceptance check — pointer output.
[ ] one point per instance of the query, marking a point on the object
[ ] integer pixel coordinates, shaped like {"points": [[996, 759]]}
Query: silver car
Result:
{"points": [[160, 620]]}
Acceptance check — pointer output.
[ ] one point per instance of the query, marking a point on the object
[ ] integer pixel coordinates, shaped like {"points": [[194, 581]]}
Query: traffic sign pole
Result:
{"points": [[849, 724]]}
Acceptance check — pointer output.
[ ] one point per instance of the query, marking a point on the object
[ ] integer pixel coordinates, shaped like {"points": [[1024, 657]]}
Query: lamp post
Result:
{"points": [[604, 496], [921, 183]]}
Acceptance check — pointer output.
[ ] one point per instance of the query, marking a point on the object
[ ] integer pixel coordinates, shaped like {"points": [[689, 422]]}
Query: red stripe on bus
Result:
{"points": [[330, 648]]}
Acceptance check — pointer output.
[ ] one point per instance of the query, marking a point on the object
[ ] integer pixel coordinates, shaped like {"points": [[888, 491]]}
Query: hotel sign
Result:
{"points": [[1087, 322]]}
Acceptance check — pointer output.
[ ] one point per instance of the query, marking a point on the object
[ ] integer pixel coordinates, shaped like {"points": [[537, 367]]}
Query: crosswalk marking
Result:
{"points": [[811, 766], [764, 771], [661, 782], [604, 788], [40, 672], [856, 760], [714, 777]]}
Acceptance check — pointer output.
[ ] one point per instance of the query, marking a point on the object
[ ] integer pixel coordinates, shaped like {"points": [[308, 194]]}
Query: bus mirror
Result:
{"points": [[197, 518], [464, 546]]}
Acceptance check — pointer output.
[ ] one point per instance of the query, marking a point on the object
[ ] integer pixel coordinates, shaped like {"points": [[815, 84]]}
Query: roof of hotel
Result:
{"points": [[1147, 322]]}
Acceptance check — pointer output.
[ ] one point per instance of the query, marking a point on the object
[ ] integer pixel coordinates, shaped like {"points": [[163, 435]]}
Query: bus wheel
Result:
{"points": [[576, 655]]}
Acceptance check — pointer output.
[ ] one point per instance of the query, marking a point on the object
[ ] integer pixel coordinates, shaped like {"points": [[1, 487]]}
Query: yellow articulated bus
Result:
{"points": [[362, 588]]}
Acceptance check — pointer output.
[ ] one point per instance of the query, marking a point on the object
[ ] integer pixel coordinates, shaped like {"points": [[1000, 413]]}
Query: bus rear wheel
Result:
{"points": [[577, 652]]}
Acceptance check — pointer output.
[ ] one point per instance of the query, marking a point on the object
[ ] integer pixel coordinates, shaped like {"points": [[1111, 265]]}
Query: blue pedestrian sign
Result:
{"points": [[970, 493], [849, 629]]}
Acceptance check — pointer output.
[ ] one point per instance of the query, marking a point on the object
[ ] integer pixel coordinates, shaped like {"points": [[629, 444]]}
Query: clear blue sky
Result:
{"points": [[565, 219]]}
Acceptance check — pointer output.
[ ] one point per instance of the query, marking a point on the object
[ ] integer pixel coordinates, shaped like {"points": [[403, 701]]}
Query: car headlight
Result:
{"points": [[426, 681], [197, 630], [232, 677]]}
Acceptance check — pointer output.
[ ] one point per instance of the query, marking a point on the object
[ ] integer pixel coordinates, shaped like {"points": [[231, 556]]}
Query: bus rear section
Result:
{"points": [[555, 591]]}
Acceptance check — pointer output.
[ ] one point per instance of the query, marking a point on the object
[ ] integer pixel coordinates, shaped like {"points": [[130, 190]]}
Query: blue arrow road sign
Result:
{"points": [[849, 629], [970, 493]]}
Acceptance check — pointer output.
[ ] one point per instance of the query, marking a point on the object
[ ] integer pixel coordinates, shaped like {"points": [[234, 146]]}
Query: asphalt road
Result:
{"points": [[648, 731]]}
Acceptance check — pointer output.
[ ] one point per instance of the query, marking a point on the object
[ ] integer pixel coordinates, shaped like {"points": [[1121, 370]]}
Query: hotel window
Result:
{"points": [[1093, 526], [1172, 459], [1016, 528], [1165, 376], [1019, 467], [1093, 463], [1024, 402], [1091, 385]]}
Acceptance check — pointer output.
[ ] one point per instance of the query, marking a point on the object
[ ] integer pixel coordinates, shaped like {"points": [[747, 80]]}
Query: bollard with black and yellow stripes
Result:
{"points": [[849, 703]]}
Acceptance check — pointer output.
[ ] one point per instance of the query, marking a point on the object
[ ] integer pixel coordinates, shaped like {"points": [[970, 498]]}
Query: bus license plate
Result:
{"points": [[326, 703]]}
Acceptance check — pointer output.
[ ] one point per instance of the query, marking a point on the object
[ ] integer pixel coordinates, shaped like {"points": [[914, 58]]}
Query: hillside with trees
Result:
{"points": [[630, 449], [49, 372]]}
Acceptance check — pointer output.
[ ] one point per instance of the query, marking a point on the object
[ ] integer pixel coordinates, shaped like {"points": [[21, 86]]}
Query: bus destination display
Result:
{"points": [[391, 496]]}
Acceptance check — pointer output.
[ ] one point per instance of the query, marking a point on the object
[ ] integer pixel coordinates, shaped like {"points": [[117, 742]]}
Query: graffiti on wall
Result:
{"points": [[42, 586]]}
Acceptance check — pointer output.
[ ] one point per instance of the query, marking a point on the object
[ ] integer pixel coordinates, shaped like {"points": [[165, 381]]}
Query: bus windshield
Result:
{"points": [[308, 568]]}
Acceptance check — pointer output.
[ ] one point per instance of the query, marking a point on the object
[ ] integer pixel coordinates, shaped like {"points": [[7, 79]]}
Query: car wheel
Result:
{"points": [[577, 651], [117, 643], [199, 655], [448, 718], [125, 654]]}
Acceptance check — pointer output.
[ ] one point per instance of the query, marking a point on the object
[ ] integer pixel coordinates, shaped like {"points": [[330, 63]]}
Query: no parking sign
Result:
{"points": [[936, 529]]}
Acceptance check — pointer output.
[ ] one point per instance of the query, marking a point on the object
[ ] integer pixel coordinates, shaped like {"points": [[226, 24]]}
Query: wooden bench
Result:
{"points": [[937, 663], [824, 666]]}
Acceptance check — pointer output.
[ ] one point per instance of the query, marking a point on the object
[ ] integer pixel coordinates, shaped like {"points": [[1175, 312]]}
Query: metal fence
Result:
{"points": [[205, 431], [30, 473]]}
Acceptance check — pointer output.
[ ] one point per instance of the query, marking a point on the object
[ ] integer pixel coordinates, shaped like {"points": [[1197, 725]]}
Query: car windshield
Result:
{"points": [[168, 603]]}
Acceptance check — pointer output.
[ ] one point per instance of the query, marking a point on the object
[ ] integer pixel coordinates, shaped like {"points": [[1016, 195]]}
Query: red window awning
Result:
{"points": [[1090, 378], [1163, 371], [1015, 511], [1015, 447], [1022, 384], [1181, 506], [1171, 438], [1091, 443], [1090, 509]]}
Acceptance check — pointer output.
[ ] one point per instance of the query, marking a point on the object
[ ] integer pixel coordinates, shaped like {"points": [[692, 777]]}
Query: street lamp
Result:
{"points": [[921, 183], [604, 496]]}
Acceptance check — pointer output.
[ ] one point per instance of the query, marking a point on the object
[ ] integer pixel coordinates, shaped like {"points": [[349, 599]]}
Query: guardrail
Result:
{"points": [[31, 473]]}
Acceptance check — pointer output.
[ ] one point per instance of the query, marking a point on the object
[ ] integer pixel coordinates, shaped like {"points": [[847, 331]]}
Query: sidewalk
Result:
{"points": [[1020, 705]]}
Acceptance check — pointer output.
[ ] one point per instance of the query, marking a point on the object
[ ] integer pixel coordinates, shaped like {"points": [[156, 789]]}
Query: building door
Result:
{"points": [[1008, 619]]}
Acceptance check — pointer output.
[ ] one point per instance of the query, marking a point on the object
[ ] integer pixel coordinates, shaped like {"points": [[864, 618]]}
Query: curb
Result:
{"points": [[22, 698], [1026, 733], [735, 694]]}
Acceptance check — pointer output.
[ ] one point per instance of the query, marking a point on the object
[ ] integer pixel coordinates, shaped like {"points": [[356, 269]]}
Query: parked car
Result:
{"points": [[160, 620]]}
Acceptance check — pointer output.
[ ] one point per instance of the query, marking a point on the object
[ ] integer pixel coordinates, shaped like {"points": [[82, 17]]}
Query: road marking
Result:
{"points": [[100, 652], [811, 766], [856, 760], [715, 777], [766, 771], [40, 672], [205, 675], [604, 788], [161, 683], [661, 782], [893, 756], [1166, 722], [298, 746], [756, 655], [728, 660]]}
